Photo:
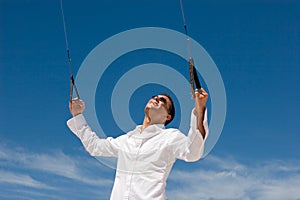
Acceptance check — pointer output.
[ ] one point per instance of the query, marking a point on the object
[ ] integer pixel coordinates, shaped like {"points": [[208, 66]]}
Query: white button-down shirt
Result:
{"points": [[144, 158]]}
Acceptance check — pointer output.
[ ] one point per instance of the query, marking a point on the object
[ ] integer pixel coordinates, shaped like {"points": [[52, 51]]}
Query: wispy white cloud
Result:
{"points": [[50, 175], [55, 162], [225, 178], [21, 179]]}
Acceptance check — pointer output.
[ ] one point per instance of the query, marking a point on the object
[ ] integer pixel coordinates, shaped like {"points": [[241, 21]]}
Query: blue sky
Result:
{"points": [[255, 45]]}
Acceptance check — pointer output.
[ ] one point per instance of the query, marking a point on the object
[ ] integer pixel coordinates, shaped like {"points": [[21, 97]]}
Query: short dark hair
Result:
{"points": [[171, 109]]}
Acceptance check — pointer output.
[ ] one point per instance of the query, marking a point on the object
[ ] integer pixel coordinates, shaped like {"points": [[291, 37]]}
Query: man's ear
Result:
{"points": [[169, 117]]}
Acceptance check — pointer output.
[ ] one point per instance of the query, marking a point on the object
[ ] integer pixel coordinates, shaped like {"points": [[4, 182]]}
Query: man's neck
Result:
{"points": [[146, 123]]}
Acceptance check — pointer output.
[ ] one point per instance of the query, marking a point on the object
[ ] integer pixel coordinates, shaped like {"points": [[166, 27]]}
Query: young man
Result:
{"points": [[147, 153]]}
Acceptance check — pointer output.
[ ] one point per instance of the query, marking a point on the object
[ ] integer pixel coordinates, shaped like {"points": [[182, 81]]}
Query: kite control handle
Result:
{"points": [[194, 80]]}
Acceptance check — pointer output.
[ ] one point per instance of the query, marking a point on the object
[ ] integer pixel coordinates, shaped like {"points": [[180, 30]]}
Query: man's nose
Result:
{"points": [[156, 99]]}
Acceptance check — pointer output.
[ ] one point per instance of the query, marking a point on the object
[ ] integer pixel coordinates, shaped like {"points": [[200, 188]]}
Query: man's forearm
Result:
{"points": [[200, 119], [200, 109]]}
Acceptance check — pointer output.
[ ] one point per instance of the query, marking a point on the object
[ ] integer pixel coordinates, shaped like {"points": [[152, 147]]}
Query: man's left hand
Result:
{"points": [[201, 97]]}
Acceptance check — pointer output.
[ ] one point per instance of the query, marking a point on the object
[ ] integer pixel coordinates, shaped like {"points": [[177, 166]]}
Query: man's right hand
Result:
{"points": [[76, 107]]}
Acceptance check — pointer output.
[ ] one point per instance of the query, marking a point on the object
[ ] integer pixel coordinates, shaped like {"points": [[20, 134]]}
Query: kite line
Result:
{"points": [[194, 80], [72, 82]]}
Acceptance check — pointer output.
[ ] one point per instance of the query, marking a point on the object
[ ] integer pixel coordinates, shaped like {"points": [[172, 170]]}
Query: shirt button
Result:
{"points": [[138, 143]]}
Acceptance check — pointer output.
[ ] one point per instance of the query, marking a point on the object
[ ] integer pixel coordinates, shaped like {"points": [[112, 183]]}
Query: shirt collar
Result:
{"points": [[148, 132]]}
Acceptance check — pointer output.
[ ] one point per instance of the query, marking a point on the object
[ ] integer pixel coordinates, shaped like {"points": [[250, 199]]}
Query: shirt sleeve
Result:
{"points": [[91, 142], [190, 148]]}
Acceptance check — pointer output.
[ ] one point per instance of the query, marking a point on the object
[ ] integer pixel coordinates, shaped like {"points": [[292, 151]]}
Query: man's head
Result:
{"points": [[160, 109]]}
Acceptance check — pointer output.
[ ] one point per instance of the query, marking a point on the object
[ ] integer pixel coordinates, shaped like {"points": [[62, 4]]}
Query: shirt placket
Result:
{"points": [[129, 181]]}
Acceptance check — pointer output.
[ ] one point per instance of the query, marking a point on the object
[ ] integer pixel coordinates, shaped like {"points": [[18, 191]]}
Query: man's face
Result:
{"points": [[157, 109], [161, 100]]}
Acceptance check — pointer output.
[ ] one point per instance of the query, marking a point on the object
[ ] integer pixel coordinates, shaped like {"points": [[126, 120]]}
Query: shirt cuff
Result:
{"points": [[76, 123]]}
